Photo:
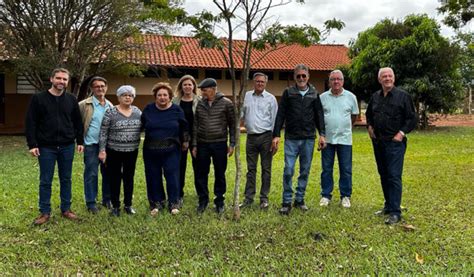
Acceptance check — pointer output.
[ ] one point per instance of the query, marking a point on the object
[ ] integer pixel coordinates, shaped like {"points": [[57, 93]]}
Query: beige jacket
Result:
{"points": [[87, 110]]}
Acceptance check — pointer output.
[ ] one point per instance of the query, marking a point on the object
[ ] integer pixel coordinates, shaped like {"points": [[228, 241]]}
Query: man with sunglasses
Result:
{"points": [[301, 111]]}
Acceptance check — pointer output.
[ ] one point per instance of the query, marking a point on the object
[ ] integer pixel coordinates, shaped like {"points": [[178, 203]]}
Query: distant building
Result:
{"points": [[163, 65]]}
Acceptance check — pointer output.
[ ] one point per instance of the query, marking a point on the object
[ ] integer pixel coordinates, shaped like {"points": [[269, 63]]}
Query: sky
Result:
{"points": [[358, 15]]}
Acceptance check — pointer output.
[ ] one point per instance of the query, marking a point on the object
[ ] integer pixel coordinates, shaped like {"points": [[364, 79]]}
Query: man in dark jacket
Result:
{"points": [[390, 117], [53, 124], [301, 111], [214, 120]]}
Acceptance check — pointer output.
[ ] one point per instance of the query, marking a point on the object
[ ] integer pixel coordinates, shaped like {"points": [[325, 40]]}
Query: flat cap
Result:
{"points": [[208, 83]]}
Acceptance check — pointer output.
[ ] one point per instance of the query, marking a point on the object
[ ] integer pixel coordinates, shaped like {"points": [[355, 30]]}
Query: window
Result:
{"points": [[153, 72], [285, 75], [177, 73], [23, 86], [213, 73], [237, 75]]}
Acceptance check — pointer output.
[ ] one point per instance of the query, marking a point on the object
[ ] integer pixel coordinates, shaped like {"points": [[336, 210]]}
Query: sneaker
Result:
{"points": [[174, 209], [201, 208], [154, 212], [300, 205], [220, 209], [346, 202], [264, 205], [115, 212], [70, 215], [93, 210], [392, 219], [324, 202], [285, 209], [247, 203], [107, 204], [41, 219], [129, 210]]}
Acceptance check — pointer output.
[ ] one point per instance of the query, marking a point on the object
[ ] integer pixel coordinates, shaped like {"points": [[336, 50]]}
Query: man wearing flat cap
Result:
{"points": [[214, 121]]}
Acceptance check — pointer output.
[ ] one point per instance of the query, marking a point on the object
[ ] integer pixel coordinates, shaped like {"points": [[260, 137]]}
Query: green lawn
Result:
{"points": [[438, 195]]}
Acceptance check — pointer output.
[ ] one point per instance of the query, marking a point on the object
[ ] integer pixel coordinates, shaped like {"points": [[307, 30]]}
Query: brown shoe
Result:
{"points": [[41, 219], [70, 215]]}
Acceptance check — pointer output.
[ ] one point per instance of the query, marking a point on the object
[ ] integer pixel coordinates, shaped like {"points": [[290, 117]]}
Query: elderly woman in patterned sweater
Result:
{"points": [[118, 146]]}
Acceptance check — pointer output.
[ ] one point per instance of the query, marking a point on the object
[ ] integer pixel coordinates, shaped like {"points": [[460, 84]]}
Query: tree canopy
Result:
{"points": [[457, 12], [425, 63]]}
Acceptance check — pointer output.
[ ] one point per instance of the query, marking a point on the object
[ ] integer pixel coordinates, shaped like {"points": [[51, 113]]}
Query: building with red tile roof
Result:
{"points": [[169, 66]]}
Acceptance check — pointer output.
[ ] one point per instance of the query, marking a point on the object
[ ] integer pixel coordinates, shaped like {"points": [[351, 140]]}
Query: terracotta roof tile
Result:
{"points": [[317, 57]]}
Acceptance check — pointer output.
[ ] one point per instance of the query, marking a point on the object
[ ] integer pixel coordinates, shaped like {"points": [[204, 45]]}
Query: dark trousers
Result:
{"points": [[344, 157], [218, 153], [121, 166], [182, 171], [389, 156], [157, 163], [258, 145]]}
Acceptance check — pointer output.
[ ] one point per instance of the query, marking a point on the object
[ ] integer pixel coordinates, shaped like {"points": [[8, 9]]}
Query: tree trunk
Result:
{"points": [[238, 168]]}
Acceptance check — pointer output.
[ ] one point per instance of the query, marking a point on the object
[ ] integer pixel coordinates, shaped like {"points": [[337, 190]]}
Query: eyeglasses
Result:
{"points": [[301, 76], [336, 79], [126, 95], [96, 87]]}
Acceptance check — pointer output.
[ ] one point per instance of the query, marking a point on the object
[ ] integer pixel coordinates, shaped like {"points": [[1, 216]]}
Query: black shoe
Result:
{"points": [[93, 210], [107, 205], [300, 205], [392, 219], [220, 209], [115, 212], [381, 212], [247, 203], [129, 210], [201, 208], [285, 209]]}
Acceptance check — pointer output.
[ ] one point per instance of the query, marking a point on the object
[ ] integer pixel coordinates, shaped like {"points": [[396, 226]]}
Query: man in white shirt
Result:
{"points": [[258, 114]]}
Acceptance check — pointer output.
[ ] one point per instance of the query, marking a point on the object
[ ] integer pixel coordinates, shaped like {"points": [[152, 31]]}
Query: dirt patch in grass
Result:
{"points": [[465, 120]]}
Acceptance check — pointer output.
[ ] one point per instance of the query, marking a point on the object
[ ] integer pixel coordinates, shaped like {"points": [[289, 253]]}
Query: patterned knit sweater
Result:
{"points": [[120, 133]]}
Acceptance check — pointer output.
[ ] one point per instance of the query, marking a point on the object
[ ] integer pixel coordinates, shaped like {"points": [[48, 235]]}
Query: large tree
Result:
{"points": [[217, 30], [425, 63], [457, 12], [38, 35]]}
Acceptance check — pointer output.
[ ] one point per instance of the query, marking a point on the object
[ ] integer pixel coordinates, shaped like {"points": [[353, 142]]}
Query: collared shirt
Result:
{"points": [[259, 112], [392, 113], [92, 136], [337, 116]]}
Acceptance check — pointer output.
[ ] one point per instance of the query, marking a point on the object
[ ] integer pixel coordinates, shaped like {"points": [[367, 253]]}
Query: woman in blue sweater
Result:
{"points": [[166, 133]]}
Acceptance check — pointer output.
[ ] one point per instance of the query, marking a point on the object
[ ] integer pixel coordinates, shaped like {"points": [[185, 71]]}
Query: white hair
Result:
{"points": [[385, 69]]}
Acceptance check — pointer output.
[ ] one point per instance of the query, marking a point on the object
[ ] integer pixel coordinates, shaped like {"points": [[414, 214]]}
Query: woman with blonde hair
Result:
{"points": [[186, 97]]}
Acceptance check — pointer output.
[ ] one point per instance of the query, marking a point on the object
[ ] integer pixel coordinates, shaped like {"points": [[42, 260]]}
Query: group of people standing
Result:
{"points": [[173, 124]]}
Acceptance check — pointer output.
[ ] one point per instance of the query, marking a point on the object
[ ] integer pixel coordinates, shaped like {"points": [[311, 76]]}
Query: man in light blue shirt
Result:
{"points": [[92, 112], [340, 111], [258, 114]]}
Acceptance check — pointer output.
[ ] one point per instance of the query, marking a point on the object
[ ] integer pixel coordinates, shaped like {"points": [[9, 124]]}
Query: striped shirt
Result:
{"points": [[119, 132]]}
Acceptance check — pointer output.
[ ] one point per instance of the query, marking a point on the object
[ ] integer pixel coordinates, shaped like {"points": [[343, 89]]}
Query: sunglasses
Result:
{"points": [[301, 76]]}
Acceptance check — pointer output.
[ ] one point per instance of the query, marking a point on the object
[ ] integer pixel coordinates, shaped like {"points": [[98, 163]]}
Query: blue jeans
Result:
{"points": [[389, 156], [91, 172], [63, 155], [158, 164], [293, 148], [344, 158]]}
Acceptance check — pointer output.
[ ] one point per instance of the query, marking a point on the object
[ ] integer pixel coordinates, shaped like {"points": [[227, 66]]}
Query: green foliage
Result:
{"points": [[457, 12], [41, 35], [425, 63], [438, 174]]}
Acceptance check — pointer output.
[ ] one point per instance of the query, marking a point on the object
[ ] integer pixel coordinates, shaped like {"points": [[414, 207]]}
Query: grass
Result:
{"points": [[438, 195]]}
